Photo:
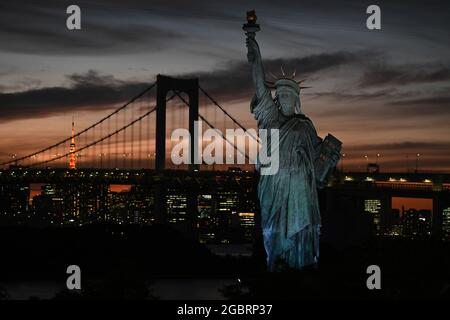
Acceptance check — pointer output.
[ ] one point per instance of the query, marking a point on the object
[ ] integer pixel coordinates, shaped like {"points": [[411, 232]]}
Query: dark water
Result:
{"points": [[165, 289], [162, 288]]}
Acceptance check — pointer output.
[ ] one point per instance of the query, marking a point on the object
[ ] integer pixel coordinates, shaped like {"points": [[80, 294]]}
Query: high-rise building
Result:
{"points": [[373, 207], [446, 224], [416, 223], [207, 218], [227, 213], [72, 156], [176, 201], [14, 203], [50, 205], [247, 221]]}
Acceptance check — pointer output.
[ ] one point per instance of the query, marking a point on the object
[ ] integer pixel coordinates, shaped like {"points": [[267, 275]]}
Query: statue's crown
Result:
{"points": [[286, 81]]}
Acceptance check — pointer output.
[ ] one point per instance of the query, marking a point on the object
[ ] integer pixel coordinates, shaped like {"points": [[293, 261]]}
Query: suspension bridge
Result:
{"points": [[134, 135]]}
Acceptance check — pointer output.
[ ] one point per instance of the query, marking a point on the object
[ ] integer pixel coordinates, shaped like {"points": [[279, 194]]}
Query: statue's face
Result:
{"points": [[287, 99]]}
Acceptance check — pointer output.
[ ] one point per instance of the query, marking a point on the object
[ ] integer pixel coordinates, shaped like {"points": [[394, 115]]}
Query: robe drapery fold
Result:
{"points": [[288, 199]]}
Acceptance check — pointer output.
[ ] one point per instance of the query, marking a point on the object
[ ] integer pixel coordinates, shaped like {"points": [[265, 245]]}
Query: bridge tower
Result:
{"points": [[164, 85], [190, 87]]}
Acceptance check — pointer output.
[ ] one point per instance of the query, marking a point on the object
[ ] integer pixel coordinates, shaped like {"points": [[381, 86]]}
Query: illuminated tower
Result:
{"points": [[72, 156]]}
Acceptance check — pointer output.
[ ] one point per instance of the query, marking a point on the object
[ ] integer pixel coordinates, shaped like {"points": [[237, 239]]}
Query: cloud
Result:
{"points": [[234, 82], [27, 83], [361, 96], [437, 106], [94, 91], [387, 75], [40, 28], [90, 91], [386, 104], [441, 102]]}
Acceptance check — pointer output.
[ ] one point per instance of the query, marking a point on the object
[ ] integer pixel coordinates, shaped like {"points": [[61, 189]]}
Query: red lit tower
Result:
{"points": [[72, 156]]}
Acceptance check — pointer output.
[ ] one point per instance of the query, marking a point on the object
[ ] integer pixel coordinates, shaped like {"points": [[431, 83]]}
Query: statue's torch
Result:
{"points": [[250, 28]]}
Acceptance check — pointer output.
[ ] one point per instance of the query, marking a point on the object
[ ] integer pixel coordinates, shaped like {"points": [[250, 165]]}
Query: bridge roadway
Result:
{"points": [[397, 184], [124, 176]]}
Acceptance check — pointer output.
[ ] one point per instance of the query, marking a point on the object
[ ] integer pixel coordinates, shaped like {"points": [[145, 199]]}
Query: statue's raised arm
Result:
{"points": [[254, 54]]}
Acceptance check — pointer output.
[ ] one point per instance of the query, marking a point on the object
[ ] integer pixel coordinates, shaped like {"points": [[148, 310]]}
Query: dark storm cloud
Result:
{"points": [[435, 102], [37, 28], [433, 106], [361, 96], [388, 104], [92, 90], [234, 81], [385, 75], [384, 105], [115, 27]]}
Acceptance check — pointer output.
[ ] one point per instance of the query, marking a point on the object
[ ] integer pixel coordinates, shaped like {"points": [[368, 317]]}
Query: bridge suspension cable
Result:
{"points": [[212, 127], [104, 137], [226, 113], [96, 135], [34, 154]]}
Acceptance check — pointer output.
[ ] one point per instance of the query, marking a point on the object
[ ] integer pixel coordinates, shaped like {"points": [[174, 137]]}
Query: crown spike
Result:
{"points": [[282, 71]]}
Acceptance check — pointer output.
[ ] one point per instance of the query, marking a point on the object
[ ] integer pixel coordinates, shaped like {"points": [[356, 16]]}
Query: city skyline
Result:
{"points": [[227, 198]]}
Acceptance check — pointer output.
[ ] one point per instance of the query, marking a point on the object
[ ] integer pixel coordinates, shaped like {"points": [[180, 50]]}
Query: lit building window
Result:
{"points": [[446, 224], [372, 206]]}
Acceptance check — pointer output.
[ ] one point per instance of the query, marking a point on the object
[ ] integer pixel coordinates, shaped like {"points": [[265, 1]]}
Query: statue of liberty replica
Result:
{"points": [[290, 215]]}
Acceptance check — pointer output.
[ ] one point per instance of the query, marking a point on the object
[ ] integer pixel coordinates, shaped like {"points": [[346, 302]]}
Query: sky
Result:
{"points": [[381, 92]]}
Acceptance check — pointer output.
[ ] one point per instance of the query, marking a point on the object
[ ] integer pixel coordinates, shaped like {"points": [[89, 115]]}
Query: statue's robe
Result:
{"points": [[288, 199]]}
